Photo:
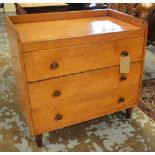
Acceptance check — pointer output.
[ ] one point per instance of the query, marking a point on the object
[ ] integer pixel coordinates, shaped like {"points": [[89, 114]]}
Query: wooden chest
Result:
{"points": [[68, 65]]}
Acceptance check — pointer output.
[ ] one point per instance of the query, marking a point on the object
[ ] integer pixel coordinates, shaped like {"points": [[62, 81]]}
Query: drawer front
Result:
{"points": [[72, 99], [47, 64]]}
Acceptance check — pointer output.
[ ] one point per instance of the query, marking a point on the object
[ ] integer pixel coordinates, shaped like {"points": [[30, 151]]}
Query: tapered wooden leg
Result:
{"points": [[38, 139], [128, 112]]}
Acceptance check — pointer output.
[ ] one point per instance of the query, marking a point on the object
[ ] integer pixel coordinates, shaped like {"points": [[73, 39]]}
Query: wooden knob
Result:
{"points": [[58, 117], [121, 100], [56, 93], [54, 65], [123, 77], [124, 53]]}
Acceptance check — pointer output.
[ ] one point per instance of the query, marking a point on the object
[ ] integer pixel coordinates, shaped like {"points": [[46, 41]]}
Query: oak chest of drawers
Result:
{"points": [[68, 65]]}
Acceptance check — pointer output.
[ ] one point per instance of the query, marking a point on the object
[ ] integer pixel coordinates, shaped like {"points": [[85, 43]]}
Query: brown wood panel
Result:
{"points": [[128, 18], [44, 119], [48, 44], [143, 60], [83, 96], [44, 31], [57, 16], [81, 86], [19, 72], [70, 28], [80, 58]]}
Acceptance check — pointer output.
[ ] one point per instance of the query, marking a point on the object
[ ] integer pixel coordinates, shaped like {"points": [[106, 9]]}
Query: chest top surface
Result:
{"points": [[62, 29], [70, 28]]}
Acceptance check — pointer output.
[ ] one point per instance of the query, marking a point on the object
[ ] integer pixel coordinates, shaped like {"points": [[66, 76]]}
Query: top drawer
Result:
{"points": [[51, 63]]}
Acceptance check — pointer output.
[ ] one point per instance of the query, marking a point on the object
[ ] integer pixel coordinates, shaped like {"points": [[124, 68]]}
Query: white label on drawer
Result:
{"points": [[125, 64]]}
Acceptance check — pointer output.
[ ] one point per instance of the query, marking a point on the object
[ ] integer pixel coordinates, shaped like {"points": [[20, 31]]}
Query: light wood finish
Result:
{"points": [[127, 18], [80, 29], [80, 58], [71, 28], [87, 46], [88, 94], [33, 5], [143, 59], [52, 30], [81, 86], [57, 16], [19, 72], [34, 46]]}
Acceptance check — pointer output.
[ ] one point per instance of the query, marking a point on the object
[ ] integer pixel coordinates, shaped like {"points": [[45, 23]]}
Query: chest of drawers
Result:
{"points": [[67, 65]]}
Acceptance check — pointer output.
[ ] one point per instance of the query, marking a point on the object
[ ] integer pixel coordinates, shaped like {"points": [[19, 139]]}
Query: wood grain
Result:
{"points": [[80, 58], [128, 18], [59, 43], [81, 86], [80, 29], [57, 16], [90, 94], [19, 72], [143, 60], [50, 30]]}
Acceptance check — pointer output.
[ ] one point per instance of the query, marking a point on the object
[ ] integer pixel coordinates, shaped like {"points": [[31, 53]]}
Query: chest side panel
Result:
{"points": [[19, 72]]}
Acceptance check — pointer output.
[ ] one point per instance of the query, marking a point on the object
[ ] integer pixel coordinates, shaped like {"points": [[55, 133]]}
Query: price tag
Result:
{"points": [[124, 64]]}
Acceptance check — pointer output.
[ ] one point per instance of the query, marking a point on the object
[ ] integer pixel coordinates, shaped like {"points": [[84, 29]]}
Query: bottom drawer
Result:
{"points": [[83, 97]]}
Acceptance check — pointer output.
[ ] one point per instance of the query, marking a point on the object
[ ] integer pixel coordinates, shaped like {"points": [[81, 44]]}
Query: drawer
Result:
{"points": [[81, 97], [51, 63]]}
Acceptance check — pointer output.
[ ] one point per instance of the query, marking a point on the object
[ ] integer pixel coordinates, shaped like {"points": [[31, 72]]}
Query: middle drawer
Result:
{"points": [[81, 87], [51, 63]]}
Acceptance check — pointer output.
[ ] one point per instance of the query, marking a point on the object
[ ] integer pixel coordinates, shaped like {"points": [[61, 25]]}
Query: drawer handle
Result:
{"points": [[58, 117], [56, 93], [121, 100], [123, 77], [54, 65], [124, 53]]}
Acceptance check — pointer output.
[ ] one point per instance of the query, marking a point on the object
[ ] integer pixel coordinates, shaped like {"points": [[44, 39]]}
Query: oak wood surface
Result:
{"points": [[78, 33], [70, 28], [83, 96], [19, 72], [48, 44], [78, 27], [57, 16], [128, 18], [83, 86], [80, 58], [143, 60]]}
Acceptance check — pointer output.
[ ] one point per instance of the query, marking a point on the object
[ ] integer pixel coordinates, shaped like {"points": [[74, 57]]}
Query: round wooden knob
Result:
{"points": [[121, 100], [54, 65], [123, 77], [124, 53], [56, 93], [58, 117]]}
